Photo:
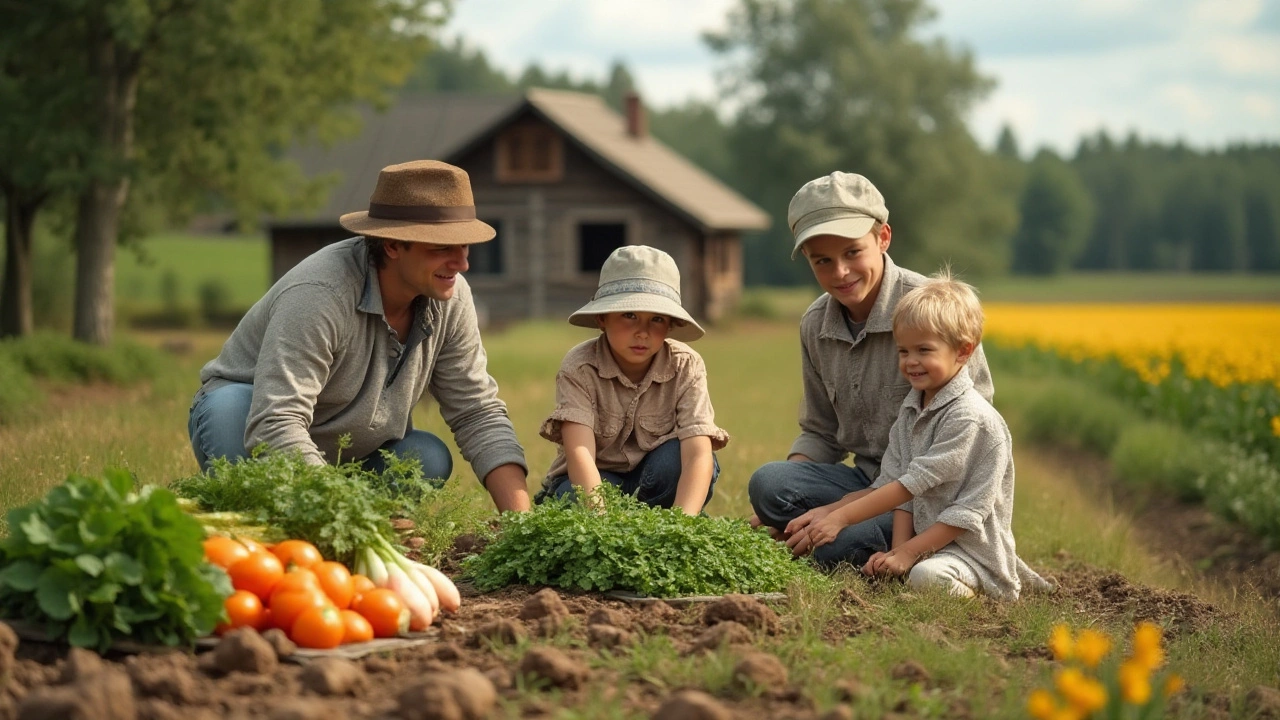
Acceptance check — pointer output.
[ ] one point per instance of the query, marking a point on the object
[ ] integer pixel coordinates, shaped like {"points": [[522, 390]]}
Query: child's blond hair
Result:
{"points": [[945, 306]]}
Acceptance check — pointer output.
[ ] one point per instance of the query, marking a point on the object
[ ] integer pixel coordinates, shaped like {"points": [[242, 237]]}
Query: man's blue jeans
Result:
{"points": [[217, 428], [783, 491], [653, 481]]}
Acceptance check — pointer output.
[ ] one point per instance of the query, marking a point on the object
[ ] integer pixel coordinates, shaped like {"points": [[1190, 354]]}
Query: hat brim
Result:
{"points": [[468, 232], [852, 227], [585, 316]]}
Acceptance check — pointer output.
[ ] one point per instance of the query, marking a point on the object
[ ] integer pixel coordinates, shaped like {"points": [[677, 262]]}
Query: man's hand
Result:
{"points": [[754, 521], [826, 529], [888, 564], [808, 519]]}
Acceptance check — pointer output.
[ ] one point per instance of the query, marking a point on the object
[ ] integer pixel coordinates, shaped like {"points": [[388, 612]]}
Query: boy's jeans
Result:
{"points": [[783, 491], [653, 481], [217, 427]]}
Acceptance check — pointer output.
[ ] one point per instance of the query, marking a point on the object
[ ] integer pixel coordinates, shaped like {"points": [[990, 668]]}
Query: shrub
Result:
{"points": [[17, 391], [1077, 415], [62, 359], [1158, 455]]}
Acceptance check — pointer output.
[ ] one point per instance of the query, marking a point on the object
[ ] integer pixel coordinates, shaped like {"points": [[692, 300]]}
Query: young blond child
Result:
{"points": [[632, 407], [948, 470]]}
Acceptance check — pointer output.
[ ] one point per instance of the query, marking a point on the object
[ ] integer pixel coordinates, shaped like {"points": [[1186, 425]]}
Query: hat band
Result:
{"points": [[423, 213], [637, 285]]}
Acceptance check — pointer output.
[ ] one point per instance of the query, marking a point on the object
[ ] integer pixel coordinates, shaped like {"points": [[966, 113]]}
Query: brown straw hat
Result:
{"points": [[421, 201]]}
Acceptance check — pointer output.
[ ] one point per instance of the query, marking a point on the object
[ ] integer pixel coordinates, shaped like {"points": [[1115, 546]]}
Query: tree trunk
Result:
{"points": [[15, 300], [102, 201]]}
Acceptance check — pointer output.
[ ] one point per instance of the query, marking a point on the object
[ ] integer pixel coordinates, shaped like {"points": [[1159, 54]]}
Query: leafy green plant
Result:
{"points": [[628, 545], [94, 561]]}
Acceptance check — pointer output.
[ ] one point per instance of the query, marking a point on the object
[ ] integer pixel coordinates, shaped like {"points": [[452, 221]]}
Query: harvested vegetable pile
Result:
{"points": [[94, 561], [627, 545]]}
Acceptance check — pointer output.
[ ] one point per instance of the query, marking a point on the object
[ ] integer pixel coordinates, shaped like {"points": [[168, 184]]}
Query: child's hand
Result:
{"points": [[888, 564], [826, 530]]}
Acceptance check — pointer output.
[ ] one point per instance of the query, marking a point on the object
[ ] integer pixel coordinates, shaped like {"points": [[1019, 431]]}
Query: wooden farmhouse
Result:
{"points": [[563, 178]]}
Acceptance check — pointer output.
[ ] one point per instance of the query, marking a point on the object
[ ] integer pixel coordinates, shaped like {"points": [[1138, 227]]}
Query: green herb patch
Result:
{"points": [[627, 545], [93, 562]]}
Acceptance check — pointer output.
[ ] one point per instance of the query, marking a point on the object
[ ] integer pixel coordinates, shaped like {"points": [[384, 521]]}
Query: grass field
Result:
{"points": [[242, 264], [983, 654]]}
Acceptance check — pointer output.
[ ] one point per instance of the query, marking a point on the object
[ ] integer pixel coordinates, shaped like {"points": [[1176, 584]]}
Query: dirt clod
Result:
{"points": [[8, 643], [415, 543], [457, 695], [692, 705], [544, 603], [910, 671], [554, 666], [280, 642], [657, 615], [742, 609], [1263, 702], [104, 695], [244, 650], [609, 616], [760, 670], [403, 524], [381, 665], [81, 664], [333, 676], [301, 709], [850, 690], [607, 636], [839, 712], [728, 632], [166, 677], [503, 632]]}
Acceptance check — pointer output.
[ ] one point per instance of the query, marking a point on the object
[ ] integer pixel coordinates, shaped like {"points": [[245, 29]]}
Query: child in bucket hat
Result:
{"points": [[632, 407]]}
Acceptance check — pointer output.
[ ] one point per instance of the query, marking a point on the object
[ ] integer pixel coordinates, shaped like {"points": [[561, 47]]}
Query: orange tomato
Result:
{"points": [[355, 628], [244, 609], [319, 628], [299, 553], [361, 584], [223, 551], [297, 579], [253, 545], [385, 611], [335, 580], [287, 607], [257, 573]]}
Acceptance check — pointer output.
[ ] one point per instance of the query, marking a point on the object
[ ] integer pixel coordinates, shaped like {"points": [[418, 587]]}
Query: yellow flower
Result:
{"points": [[1080, 691], [1174, 685], [1040, 704], [1146, 646], [1060, 643], [1275, 426], [1092, 646], [1135, 683]]}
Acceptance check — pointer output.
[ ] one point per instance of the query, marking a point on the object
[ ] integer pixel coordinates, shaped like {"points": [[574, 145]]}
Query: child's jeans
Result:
{"points": [[653, 481], [217, 428], [946, 571]]}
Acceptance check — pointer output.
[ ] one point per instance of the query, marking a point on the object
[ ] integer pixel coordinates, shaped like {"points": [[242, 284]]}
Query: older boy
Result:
{"points": [[852, 389], [949, 466]]}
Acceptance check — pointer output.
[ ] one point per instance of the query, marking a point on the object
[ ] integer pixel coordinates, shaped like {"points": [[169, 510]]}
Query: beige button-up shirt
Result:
{"points": [[631, 419], [852, 387]]}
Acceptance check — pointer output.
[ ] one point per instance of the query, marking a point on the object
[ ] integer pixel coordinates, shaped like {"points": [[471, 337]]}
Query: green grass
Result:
{"points": [[242, 264], [981, 654]]}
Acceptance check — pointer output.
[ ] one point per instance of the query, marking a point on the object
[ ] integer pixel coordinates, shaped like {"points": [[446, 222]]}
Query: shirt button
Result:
{"points": [[395, 352]]}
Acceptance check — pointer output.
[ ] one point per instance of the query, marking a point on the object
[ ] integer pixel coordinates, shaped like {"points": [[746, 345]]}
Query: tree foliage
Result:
{"points": [[1056, 216]]}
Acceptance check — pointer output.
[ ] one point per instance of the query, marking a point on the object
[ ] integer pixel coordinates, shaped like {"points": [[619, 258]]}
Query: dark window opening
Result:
{"points": [[596, 241], [486, 258]]}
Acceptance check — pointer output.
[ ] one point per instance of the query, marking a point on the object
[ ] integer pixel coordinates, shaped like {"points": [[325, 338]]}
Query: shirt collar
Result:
{"points": [[371, 297], [949, 392], [881, 317], [662, 369]]}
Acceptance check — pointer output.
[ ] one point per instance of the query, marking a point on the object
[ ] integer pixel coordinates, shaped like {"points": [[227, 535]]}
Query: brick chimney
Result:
{"points": [[637, 123]]}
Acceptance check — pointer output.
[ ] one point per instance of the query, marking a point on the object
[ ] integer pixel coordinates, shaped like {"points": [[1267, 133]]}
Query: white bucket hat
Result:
{"points": [[638, 278]]}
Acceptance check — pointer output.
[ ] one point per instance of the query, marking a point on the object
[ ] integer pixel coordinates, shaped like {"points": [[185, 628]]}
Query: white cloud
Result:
{"points": [[1260, 106], [1225, 13]]}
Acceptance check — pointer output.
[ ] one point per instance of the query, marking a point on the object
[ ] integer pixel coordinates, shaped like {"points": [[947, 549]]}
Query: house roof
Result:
{"points": [[446, 126]]}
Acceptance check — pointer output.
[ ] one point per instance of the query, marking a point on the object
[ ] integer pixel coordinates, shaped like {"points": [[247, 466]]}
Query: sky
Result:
{"points": [[1206, 72]]}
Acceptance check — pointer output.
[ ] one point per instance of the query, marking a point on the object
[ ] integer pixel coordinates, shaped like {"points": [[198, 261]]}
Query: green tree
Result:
{"points": [[456, 67], [1057, 214], [183, 100], [825, 85]]}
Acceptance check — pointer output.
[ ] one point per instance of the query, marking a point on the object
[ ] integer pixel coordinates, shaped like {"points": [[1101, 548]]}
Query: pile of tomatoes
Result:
{"points": [[317, 603]]}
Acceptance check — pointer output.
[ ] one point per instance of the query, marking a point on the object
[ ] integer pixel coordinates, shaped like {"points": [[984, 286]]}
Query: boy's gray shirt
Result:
{"points": [[956, 459], [852, 387], [323, 362]]}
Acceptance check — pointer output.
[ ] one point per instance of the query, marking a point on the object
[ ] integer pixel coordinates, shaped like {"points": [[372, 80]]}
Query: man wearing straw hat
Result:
{"points": [[347, 342]]}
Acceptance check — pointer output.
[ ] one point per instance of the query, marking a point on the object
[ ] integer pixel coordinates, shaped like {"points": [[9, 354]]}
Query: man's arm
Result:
{"points": [[506, 485]]}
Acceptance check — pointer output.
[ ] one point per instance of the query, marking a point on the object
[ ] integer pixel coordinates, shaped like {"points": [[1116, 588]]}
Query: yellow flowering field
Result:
{"points": [[1223, 343]]}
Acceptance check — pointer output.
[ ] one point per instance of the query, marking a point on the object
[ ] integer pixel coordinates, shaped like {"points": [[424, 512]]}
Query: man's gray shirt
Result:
{"points": [[324, 363], [852, 387]]}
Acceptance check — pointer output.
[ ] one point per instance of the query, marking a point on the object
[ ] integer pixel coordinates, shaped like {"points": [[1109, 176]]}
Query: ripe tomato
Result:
{"points": [[287, 607], [335, 580], [299, 553], [319, 628], [253, 545], [297, 579], [244, 609], [355, 627], [385, 611], [257, 573], [223, 551], [361, 584]]}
